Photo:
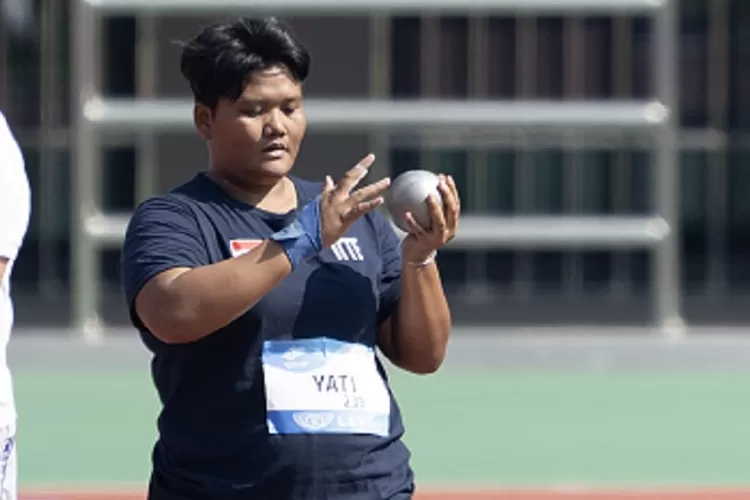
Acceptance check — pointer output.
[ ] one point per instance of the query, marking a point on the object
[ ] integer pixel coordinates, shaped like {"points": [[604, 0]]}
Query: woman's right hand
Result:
{"points": [[341, 206]]}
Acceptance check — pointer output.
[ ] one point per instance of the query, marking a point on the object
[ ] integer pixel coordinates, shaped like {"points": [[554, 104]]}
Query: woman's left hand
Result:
{"points": [[421, 243]]}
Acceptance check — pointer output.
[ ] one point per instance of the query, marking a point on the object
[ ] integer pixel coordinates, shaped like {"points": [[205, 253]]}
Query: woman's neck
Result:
{"points": [[277, 197]]}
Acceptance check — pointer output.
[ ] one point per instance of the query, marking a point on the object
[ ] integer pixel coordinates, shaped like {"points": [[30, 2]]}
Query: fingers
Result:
{"points": [[436, 214], [414, 227], [367, 192], [451, 202], [329, 185], [363, 207], [452, 185], [354, 175], [444, 216]]}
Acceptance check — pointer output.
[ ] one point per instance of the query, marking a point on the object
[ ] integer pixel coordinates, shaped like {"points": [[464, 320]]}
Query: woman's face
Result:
{"points": [[255, 140]]}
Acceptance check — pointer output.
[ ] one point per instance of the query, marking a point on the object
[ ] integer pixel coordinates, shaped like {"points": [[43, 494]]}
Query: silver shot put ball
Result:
{"points": [[408, 193]]}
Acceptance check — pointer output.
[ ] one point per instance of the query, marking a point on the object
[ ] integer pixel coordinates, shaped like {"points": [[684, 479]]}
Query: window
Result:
{"points": [[694, 63], [739, 67]]}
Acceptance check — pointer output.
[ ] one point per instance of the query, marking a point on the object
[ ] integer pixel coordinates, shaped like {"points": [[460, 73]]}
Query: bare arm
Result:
{"points": [[183, 305], [415, 337], [3, 266]]}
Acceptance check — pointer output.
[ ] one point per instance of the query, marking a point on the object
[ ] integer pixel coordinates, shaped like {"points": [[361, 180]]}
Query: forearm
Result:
{"points": [[200, 301], [423, 320]]}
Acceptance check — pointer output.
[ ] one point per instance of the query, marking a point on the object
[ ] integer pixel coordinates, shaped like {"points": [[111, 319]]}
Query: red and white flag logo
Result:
{"points": [[241, 247]]}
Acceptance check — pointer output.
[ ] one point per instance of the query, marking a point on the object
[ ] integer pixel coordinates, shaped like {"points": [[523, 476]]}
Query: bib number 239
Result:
{"points": [[322, 386]]}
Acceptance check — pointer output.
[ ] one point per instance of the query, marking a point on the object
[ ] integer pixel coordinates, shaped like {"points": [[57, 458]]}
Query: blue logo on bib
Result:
{"points": [[294, 356]]}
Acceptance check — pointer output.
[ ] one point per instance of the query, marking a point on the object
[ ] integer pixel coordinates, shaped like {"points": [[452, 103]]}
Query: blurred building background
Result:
{"points": [[445, 57]]}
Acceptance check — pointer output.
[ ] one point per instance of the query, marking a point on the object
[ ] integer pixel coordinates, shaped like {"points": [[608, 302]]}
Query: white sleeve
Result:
{"points": [[15, 196]]}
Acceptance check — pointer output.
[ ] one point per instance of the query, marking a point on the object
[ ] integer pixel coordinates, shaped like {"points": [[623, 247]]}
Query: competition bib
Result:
{"points": [[322, 385]]}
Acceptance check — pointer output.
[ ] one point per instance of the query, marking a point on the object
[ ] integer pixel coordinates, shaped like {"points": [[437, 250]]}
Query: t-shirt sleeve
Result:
{"points": [[163, 234], [15, 196], [389, 281]]}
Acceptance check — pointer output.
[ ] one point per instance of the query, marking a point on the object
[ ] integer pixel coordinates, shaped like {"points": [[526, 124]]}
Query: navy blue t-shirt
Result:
{"points": [[222, 433]]}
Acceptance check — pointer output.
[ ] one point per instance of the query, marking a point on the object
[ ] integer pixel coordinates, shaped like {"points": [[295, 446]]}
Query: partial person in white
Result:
{"points": [[15, 208]]}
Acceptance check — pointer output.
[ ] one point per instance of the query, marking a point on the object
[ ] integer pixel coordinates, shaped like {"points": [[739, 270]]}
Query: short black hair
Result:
{"points": [[218, 61]]}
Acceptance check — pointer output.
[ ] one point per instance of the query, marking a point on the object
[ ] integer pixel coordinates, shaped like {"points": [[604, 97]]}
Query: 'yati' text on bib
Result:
{"points": [[323, 385]]}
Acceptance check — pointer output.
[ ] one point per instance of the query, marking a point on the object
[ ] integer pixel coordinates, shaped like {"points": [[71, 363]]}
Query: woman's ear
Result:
{"points": [[202, 117]]}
